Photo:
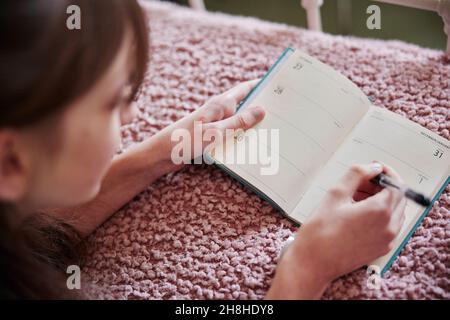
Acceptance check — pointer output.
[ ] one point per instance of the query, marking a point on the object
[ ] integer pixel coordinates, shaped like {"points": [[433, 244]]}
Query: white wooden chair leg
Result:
{"points": [[444, 11], [312, 8], [197, 4]]}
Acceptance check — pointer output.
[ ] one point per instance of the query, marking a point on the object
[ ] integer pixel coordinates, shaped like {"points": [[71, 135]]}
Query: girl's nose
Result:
{"points": [[129, 113]]}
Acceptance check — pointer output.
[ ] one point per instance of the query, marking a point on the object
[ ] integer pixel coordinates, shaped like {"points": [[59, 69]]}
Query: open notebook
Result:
{"points": [[326, 124]]}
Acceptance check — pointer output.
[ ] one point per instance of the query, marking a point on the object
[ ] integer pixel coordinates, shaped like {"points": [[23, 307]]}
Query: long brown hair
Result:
{"points": [[43, 67]]}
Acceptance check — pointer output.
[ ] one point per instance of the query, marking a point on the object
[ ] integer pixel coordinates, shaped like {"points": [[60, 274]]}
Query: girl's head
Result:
{"points": [[64, 95]]}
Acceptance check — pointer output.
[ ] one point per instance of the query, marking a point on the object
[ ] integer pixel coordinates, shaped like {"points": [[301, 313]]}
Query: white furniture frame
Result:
{"points": [[312, 7]]}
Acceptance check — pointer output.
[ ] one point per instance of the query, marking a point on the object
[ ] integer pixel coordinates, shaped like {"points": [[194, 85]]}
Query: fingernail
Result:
{"points": [[257, 112], [375, 166]]}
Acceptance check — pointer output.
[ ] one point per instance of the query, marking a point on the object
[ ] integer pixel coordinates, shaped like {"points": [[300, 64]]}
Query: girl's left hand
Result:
{"points": [[217, 114]]}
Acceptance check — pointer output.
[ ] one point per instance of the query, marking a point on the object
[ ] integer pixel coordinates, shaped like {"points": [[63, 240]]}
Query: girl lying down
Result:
{"points": [[65, 95]]}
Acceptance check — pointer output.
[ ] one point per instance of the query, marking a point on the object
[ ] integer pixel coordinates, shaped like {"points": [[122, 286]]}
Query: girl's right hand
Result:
{"points": [[356, 223]]}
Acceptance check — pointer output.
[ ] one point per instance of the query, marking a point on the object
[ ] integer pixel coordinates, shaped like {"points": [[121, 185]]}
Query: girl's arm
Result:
{"points": [[132, 171]]}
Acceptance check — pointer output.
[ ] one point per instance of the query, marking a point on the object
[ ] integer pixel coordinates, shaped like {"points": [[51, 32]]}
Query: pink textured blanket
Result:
{"points": [[198, 234]]}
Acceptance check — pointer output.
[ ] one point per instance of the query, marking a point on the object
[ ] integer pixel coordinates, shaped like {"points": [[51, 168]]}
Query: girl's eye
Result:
{"points": [[121, 99], [116, 104], [112, 106]]}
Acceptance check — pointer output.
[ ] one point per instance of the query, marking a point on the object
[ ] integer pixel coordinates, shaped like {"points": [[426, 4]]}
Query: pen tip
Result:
{"points": [[419, 198]]}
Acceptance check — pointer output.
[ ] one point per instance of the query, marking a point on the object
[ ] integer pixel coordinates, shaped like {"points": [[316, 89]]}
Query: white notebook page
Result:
{"points": [[314, 108]]}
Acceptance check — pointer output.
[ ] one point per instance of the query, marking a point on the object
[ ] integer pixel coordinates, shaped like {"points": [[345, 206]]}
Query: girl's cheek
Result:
{"points": [[98, 155]]}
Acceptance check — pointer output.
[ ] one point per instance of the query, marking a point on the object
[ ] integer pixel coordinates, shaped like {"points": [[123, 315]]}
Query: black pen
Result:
{"points": [[384, 181]]}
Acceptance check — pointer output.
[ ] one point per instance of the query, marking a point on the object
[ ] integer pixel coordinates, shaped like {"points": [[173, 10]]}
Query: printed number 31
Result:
{"points": [[438, 153]]}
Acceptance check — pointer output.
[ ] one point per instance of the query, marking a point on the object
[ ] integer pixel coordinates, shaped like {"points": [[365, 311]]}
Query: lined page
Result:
{"points": [[421, 157], [314, 108]]}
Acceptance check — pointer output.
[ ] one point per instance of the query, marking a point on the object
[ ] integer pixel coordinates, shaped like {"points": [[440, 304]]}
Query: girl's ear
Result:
{"points": [[13, 173]]}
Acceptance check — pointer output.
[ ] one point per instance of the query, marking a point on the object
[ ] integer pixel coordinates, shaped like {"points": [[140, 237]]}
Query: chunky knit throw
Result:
{"points": [[199, 234]]}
